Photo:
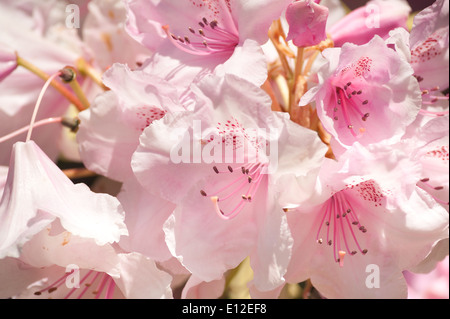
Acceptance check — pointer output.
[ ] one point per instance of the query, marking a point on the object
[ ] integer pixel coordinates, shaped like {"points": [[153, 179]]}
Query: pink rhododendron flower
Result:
{"points": [[58, 264], [307, 21], [110, 128], [232, 197], [37, 192], [377, 17], [360, 88], [362, 220], [194, 37], [223, 149]]}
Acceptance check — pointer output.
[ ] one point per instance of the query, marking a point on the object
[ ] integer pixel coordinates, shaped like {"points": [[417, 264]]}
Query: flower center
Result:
{"points": [[209, 39], [244, 184], [339, 226], [351, 106]]}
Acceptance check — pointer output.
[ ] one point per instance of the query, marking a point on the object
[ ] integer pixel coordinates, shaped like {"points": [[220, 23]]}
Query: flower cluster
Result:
{"points": [[175, 146]]}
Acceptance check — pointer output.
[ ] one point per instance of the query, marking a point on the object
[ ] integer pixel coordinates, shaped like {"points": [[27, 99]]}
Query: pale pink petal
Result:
{"points": [[370, 85], [152, 284], [255, 17], [145, 216], [206, 244], [247, 62], [8, 62], [110, 128], [37, 192], [272, 252], [104, 32], [429, 45], [198, 289]]}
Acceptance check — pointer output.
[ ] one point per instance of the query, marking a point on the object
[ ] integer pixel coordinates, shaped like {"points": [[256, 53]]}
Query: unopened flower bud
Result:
{"points": [[307, 21]]}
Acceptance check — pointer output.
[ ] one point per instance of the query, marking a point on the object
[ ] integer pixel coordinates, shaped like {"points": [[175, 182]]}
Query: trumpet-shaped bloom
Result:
{"points": [[37, 192], [366, 93], [368, 227], [58, 264], [194, 37], [215, 165]]}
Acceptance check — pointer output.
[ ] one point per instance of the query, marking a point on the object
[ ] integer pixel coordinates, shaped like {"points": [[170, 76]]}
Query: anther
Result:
{"points": [[201, 24], [349, 83], [73, 124], [216, 169], [192, 30], [67, 74], [201, 32], [439, 188], [203, 193], [365, 102], [425, 179], [230, 169], [364, 251], [213, 24], [205, 21], [364, 118], [320, 241], [250, 179]]}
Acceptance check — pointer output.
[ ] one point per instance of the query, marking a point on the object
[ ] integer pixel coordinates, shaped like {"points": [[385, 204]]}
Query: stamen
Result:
{"points": [[27, 128], [38, 103], [251, 177], [212, 38], [341, 225]]}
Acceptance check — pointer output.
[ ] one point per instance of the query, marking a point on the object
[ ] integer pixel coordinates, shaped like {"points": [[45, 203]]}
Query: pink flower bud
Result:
{"points": [[8, 62], [307, 21], [377, 17]]}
